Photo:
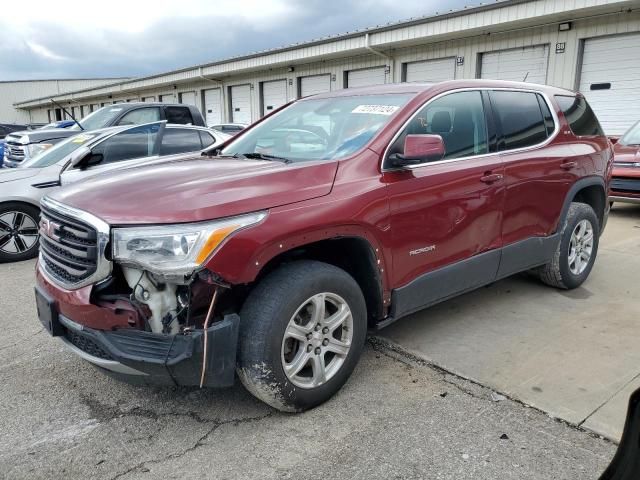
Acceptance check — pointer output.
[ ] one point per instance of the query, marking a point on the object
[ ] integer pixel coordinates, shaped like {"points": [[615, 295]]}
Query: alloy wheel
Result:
{"points": [[580, 247], [18, 232], [317, 340]]}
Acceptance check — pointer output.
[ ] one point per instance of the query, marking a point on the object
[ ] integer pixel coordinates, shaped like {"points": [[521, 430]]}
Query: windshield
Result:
{"points": [[319, 129], [103, 117], [58, 151], [632, 137]]}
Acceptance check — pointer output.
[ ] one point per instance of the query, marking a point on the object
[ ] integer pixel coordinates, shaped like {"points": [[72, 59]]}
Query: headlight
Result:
{"points": [[176, 249], [36, 148]]}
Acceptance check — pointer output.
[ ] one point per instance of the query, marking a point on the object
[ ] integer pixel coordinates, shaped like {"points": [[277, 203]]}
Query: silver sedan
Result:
{"points": [[77, 158]]}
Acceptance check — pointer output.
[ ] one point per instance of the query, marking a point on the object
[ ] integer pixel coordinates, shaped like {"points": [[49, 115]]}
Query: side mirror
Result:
{"points": [[78, 155], [419, 149]]}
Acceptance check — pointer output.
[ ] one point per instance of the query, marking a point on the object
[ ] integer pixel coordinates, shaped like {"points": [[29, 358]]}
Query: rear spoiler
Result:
{"points": [[626, 462]]}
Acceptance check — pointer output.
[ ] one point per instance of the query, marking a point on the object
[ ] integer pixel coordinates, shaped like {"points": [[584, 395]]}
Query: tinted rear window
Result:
{"points": [[521, 119], [582, 120], [179, 115]]}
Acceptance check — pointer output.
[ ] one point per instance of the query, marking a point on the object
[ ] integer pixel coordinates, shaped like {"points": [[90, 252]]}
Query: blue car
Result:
{"points": [[58, 124]]}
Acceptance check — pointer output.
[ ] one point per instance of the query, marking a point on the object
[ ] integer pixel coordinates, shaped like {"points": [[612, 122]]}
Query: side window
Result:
{"points": [[137, 142], [546, 113], [140, 115], [582, 120], [521, 119], [180, 140], [207, 139], [180, 115], [458, 118]]}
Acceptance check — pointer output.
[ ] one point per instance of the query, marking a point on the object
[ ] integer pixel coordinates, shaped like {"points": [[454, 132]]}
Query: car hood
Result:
{"points": [[12, 174], [626, 153], [197, 189], [38, 136]]}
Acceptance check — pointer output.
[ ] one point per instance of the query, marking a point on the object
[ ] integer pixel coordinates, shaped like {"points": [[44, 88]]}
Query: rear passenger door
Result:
{"points": [[537, 176], [446, 215]]}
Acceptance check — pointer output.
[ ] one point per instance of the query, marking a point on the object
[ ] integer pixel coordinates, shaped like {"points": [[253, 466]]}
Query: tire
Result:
{"points": [[273, 307], [18, 232], [560, 273]]}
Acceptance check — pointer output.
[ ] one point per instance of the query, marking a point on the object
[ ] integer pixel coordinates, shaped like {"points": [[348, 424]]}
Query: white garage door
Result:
{"points": [[315, 84], [148, 99], [517, 64], [241, 104], [610, 80], [274, 95], [213, 106], [431, 70], [169, 98], [188, 98], [366, 77]]}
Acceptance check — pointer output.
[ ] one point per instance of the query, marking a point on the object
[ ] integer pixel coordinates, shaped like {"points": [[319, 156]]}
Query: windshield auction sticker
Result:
{"points": [[376, 109]]}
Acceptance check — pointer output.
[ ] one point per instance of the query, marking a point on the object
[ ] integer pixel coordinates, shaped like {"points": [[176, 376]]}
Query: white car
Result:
{"points": [[79, 157]]}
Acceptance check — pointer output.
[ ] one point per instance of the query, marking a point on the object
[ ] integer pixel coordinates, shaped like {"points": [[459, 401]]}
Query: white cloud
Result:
{"points": [[44, 51]]}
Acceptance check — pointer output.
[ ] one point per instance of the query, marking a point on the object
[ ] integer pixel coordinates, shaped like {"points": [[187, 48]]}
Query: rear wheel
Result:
{"points": [[18, 232], [576, 253], [302, 333]]}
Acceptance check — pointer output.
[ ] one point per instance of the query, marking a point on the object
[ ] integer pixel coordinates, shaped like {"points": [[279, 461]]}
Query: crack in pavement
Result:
{"points": [[609, 399], [21, 341], [199, 443]]}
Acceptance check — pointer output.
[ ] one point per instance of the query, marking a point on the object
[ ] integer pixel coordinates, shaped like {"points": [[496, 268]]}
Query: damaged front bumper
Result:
{"points": [[159, 358]]}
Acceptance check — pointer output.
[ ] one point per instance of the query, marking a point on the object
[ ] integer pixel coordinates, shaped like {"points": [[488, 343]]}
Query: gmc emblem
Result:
{"points": [[48, 228]]}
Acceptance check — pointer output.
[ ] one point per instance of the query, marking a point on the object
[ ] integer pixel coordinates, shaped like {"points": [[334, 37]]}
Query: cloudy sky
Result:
{"points": [[89, 38]]}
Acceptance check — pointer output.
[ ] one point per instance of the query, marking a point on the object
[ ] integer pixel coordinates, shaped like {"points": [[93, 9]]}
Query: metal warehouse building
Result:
{"points": [[589, 45], [21, 90]]}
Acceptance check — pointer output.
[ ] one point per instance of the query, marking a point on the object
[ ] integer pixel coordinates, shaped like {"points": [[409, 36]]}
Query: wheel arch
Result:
{"points": [[353, 254], [589, 190]]}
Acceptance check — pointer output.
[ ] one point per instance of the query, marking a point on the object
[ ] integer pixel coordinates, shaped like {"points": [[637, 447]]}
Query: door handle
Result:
{"points": [[568, 165], [490, 178]]}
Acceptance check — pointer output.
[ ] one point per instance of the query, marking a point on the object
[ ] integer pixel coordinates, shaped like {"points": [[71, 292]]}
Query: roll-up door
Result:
{"points": [[431, 70], [213, 106], [315, 84], [274, 95], [241, 104], [188, 98], [517, 64], [610, 80], [366, 77]]}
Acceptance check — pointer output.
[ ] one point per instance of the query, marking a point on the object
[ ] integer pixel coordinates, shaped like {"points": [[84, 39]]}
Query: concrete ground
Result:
{"points": [[395, 418], [573, 354]]}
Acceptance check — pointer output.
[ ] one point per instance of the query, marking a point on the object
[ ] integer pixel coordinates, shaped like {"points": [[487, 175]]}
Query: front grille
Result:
{"points": [[68, 247], [15, 152], [87, 345], [630, 185]]}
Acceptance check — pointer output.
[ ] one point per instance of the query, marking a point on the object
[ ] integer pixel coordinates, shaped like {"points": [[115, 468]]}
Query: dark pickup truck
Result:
{"points": [[20, 146]]}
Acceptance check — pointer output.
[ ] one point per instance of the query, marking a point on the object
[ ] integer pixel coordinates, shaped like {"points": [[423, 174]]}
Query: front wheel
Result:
{"points": [[302, 332], [18, 232], [576, 253]]}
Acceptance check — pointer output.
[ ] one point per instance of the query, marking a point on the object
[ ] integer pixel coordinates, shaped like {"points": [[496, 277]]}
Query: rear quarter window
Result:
{"points": [[581, 119]]}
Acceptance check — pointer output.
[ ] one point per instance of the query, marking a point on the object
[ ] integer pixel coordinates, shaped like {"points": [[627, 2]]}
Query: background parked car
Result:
{"points": [[21, 146], [5, 129], [229, 128], [625, 186], [58, 124], [74, 159]]}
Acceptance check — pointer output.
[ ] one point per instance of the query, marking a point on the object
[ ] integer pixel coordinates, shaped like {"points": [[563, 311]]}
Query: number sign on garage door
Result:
{"points": [[366, 77], [610, 80], [213, 106], [188, 98], [274, 95], [431, 70], [315, 84], [517, 64], [241, 104]]}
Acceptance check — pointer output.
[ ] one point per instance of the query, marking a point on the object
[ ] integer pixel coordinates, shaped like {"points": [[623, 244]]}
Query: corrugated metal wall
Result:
{"points": [[563, 68], [12, 92]]}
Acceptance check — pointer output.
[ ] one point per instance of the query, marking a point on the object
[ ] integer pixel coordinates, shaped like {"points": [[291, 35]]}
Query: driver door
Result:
{"points": [[446, 215], [126, 148]]}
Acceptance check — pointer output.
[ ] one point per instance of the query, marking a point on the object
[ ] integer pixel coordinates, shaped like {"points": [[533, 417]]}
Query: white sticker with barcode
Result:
{"points": [[376, 109]]}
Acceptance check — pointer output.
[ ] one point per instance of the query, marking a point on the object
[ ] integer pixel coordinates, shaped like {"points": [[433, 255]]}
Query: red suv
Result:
{"points": [[337, 213]]}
